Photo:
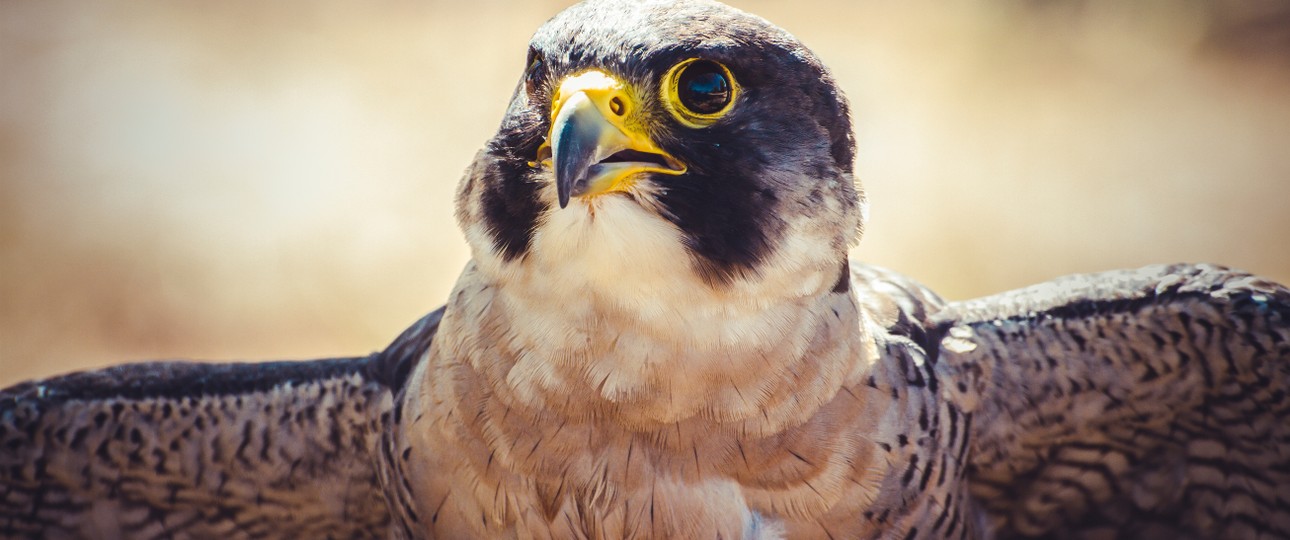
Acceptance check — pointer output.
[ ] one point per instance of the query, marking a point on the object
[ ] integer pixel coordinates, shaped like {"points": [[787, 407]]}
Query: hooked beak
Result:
{"points": [[598, 142]]}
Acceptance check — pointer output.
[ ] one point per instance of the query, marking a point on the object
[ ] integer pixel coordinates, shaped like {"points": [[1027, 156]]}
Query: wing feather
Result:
{"points": [[160, 449], [1137, 404]]}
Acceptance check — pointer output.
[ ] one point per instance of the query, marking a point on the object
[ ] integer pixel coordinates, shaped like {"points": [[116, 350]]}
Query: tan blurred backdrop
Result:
{"points": [[253, 180]]}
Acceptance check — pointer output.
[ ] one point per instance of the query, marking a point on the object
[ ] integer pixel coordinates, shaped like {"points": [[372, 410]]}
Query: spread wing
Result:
{"points": [[1136, 404], [279, 449]]}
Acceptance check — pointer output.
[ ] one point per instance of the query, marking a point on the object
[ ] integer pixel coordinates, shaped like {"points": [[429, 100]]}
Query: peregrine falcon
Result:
{"points": [[660, 335]]}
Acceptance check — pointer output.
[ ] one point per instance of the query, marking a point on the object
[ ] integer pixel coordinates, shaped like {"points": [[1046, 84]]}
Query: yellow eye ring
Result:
{"points": [[699, 92]]}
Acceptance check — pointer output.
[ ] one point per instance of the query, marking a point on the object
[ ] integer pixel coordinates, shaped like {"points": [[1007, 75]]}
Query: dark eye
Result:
{"points": [[536, 72], [703, 87], [699, 92]]}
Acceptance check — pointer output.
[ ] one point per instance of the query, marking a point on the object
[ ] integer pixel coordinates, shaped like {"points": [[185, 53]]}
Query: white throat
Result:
{"points": [[606, 306]]}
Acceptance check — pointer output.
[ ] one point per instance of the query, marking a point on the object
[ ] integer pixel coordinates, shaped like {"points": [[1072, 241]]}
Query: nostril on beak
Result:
{"points": [[617, 106]]}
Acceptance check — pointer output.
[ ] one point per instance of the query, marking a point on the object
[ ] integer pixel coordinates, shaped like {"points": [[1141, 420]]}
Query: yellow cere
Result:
{"points": [[623, 127]]}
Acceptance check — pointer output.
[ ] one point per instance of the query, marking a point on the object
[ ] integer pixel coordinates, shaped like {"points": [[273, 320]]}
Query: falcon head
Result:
{"points": [[660, 154]]}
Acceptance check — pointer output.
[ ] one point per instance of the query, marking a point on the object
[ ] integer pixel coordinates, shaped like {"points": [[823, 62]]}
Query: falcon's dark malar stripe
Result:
{"points": [[509, 197]]}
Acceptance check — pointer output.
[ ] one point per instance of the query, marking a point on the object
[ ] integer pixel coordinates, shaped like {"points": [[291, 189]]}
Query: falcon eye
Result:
{"points": [[536, 71], [699, 92]]}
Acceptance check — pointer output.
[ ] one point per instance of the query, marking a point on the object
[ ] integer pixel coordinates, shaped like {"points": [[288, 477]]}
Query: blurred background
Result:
{"points": [[257, 180]]}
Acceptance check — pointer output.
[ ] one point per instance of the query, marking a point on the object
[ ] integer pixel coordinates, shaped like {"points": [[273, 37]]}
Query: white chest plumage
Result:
{"points": [[574, 419]]}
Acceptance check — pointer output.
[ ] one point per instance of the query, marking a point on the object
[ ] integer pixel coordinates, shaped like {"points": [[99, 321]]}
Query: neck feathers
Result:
{"points": [[585, 358]]}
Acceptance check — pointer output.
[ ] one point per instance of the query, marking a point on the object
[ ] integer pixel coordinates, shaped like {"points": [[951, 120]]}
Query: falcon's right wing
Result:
{"points": [[1152, 403]]}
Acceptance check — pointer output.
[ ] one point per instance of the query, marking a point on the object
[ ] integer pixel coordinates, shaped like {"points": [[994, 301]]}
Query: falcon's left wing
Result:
{"points": [[180, 449], [203, 450], [1139, 404]]}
